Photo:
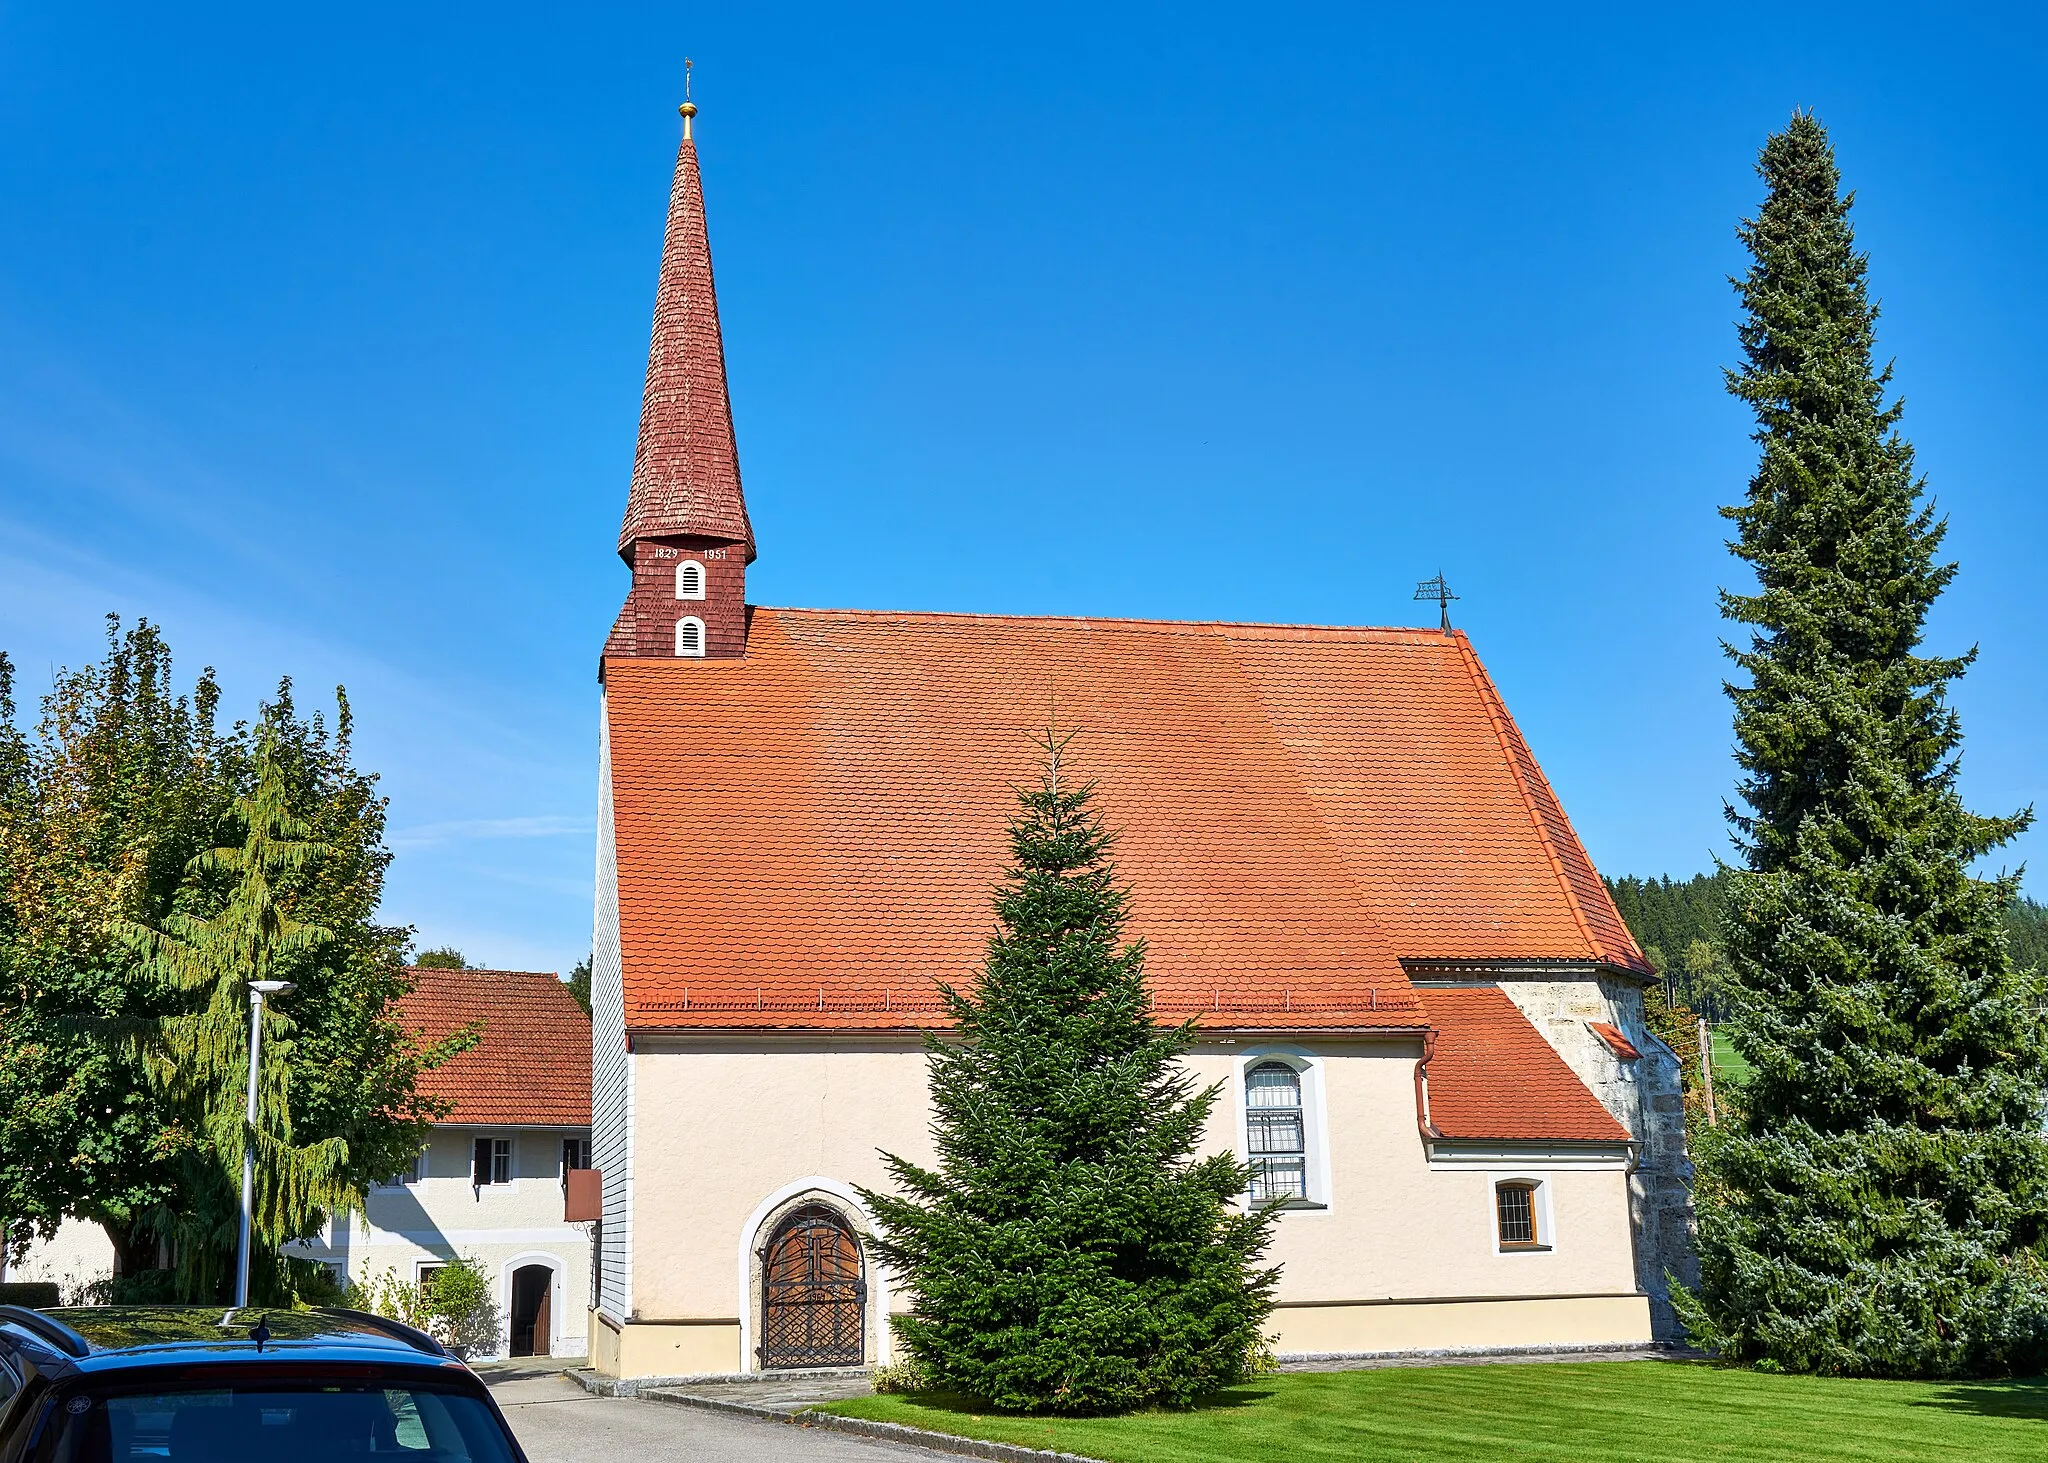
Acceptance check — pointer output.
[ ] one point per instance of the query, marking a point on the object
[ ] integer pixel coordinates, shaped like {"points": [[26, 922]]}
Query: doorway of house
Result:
{"points": [[533, 1323], [814, 1294]]}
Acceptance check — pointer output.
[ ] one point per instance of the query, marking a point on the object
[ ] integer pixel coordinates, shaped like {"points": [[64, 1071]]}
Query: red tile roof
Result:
{"points": [[1493, 1076], [532, 1065], [1617, 1041], [686, 469], [807, 837]]}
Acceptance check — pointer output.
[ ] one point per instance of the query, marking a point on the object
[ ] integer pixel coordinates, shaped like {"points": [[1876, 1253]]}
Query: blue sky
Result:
{"points": [[322, 330]]}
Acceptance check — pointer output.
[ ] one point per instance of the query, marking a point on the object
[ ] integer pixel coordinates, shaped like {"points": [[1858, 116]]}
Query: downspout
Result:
{"points": [[1422, 1118]]}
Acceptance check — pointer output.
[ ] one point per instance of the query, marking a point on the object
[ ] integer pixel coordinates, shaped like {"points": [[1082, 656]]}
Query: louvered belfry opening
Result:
{"points": [[814, 1293]]}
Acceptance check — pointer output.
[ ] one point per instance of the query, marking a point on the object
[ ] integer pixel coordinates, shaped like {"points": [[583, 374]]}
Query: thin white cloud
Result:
{"points": [[465, 830]]}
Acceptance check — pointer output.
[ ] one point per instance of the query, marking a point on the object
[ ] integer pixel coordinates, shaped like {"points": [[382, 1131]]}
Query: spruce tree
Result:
{"points": [[1071, 1252], [1875, 1203], [198, 1054]]}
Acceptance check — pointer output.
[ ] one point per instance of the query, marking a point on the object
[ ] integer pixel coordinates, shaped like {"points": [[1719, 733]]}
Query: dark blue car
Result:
{"points": [[181, 1384]]}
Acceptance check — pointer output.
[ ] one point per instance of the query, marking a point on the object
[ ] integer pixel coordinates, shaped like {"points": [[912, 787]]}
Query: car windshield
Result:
{"points": [[305, 1423]]}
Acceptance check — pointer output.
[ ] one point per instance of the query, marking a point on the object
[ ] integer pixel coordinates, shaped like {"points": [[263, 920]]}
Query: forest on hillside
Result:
{"points": [[1678, 924]]}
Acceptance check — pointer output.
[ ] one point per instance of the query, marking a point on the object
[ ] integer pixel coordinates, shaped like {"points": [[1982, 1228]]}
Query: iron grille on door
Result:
{"points": [[814, 1299]]}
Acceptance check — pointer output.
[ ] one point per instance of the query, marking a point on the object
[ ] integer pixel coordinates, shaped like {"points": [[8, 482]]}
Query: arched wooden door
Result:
{"points": [[814, 1297]]}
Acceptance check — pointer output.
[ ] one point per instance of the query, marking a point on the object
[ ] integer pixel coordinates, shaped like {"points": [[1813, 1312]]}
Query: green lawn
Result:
{"points": [[1729, 1065], [1587, 1412]]}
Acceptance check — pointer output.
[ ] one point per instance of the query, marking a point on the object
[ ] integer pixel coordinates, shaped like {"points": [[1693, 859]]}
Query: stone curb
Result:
{"points": [[888, 1432], [594, 1382]]}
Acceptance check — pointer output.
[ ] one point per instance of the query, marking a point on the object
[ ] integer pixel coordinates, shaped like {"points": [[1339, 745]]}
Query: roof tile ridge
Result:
{"points": [[850, 612], [1497, 713]]}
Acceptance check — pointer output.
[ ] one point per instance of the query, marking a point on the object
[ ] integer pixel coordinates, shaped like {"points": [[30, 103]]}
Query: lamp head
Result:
{"points": [[272, 987]]}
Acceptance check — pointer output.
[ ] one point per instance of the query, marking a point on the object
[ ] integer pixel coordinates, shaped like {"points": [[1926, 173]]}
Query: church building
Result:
{"points": [[1425, 1013]]}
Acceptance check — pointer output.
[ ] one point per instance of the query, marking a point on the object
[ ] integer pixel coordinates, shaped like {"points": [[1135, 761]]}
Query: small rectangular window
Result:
{"points": [[1515, 1205], [412, 1173]]}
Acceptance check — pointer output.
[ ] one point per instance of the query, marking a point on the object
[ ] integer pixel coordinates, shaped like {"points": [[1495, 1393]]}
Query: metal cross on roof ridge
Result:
{"points": [[1439, 591]]}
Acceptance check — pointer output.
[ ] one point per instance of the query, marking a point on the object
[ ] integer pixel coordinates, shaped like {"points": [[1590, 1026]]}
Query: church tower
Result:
{"points": [[686, 536]]}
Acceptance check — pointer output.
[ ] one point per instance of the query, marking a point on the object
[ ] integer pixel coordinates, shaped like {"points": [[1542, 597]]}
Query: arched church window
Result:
{"points": [[689, 580], [689, 636], [1275, 1134]]}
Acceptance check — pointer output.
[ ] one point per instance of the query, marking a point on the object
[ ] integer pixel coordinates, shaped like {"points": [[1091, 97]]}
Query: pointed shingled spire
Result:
{"points": [[686, 470]]}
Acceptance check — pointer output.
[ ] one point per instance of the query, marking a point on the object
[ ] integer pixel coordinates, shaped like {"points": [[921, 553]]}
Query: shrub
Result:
{"points": [[455, 1306], [903, 1376]]}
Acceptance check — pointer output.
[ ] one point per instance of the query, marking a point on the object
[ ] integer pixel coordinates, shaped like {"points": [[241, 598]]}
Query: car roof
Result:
{"points": [[105, 1338]]}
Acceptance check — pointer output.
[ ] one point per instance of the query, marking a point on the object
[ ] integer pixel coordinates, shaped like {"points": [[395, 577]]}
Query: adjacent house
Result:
{"points": [[490, 1183], [1425, 1014]]}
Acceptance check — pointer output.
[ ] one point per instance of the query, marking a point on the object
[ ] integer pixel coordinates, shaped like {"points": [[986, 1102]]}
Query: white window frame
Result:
{"points": [[1539, 1208], [502, 1145], [1315, 1130], [703, 579], [698, 653]]}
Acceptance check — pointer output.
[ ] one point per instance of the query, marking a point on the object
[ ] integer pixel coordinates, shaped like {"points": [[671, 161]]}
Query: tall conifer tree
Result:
{"points": [[1875, 1204], [1071, 1253], [199, 1053]]}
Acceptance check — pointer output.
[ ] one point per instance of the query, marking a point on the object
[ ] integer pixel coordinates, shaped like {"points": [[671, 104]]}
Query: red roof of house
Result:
{"points": [[1493, 1076], [531, 1066], [808, 836], [686, 469]]}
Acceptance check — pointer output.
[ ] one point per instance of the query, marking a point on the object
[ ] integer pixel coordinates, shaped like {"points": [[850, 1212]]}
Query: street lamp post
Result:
{"points": [[258, 989]]}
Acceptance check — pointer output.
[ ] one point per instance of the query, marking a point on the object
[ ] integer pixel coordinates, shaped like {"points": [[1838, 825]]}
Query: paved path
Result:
{"points": [[558, 1422]]}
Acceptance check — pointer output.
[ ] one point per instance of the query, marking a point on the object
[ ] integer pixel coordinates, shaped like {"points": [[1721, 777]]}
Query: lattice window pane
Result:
{"points": [[1274, 1132], [1517, 1207], [1279, 1178], [1272, 1086]]}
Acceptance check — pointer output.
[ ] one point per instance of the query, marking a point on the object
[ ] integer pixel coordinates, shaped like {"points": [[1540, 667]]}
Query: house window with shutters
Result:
{"points": [[491, 1162], [689, 636], [689, 580], [1276, 1133]]}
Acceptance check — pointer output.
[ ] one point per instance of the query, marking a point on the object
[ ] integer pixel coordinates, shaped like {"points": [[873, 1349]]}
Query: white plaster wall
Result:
{"points": [[724, 1130], [78, 1255], [443, 1215]]}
